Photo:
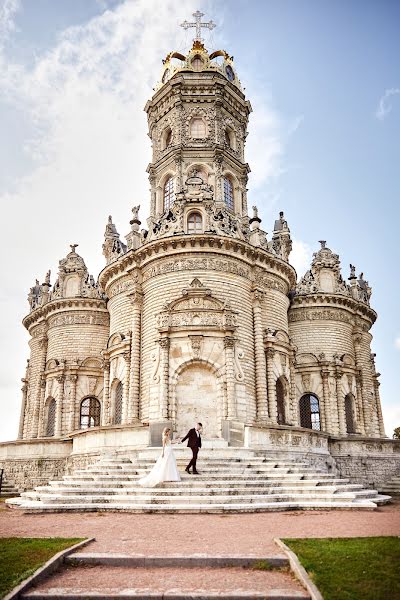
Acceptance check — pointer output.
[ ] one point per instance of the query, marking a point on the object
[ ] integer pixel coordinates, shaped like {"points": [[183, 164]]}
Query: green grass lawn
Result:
{"points": [[20, 557], [352, 568]]}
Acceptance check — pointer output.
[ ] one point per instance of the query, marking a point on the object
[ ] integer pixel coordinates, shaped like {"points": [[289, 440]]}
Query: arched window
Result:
{"points": [[90, 413], [280, 401], [197, 63], [169, 193], [309, 412], [198, 128], [195, 223], [228, 193], [349, 412], [168, 138], [118, 403], [51, 417]]}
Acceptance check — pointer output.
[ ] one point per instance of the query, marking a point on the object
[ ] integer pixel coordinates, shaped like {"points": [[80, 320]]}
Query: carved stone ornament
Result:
{"points": [[306, 380], [325, 276], [197, 308], [196, 342]]}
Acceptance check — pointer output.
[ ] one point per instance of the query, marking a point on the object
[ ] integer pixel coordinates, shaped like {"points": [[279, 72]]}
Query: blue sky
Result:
{"points": [[324, 81]]}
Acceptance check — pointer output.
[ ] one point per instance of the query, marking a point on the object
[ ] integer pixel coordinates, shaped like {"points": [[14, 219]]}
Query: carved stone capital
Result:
{"points": [[164, 343], [73, 378], [229, 341]]}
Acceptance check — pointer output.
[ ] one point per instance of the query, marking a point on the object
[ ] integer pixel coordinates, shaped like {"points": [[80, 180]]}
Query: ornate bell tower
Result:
{"points": [[198, 126]]}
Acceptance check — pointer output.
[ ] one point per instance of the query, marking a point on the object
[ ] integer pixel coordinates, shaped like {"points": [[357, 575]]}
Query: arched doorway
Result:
{"points": [[196, 399]]}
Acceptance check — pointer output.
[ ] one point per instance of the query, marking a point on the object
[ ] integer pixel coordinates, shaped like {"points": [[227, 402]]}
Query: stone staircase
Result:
{"points": [[8, 488], [230, 480], [392, 486]]}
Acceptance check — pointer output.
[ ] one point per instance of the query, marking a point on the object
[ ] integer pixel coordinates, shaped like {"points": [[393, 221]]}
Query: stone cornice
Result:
{"points": [[62, 304], [334, 300], [170, 247]]}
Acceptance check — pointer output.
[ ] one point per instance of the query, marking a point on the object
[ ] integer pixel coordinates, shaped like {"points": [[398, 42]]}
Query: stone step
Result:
{"points": [[195, 499], [199, 491], [209, 476], [38, 507], [76, 581]]}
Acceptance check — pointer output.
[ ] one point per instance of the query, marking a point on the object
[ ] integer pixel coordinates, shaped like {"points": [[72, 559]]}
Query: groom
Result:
{"points": [[194, 442]]}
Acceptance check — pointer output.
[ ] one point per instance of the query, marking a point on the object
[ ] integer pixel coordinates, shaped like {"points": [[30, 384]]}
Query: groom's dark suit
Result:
{"points": [[194, 442]]}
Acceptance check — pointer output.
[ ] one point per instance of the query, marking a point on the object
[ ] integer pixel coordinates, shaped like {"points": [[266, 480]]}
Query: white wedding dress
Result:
{"points": [[165, 469]]}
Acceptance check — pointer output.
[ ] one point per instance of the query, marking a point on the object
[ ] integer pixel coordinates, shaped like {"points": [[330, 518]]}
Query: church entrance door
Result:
{"points": [[197, 401]]}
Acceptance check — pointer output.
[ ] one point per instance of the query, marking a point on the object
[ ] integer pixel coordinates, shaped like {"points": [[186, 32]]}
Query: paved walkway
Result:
{"points": [[214, 534]]}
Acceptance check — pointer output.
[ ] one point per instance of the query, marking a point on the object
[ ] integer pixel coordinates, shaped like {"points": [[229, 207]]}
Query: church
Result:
{"points": [[198, 315]]}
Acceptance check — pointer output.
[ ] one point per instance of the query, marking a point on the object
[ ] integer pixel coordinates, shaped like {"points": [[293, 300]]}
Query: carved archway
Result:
{"points": [[197, 395]]}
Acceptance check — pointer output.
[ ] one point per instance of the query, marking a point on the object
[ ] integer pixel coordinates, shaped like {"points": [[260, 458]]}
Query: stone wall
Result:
{"points": [[366, 460]]}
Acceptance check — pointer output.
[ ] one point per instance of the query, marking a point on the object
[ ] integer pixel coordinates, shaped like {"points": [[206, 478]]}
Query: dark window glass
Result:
{"points": [[169, 194], [349, 412], [90, 413], [280, 401], [309, 412], [51, 417], [228, 193], [118, 404]]}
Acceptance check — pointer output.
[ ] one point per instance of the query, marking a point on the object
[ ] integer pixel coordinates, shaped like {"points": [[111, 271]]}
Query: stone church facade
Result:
{"points": [[198, 315]]}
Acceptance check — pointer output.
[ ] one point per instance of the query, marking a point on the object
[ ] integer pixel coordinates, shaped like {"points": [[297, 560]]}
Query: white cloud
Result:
{"points": [[397, 343], [384, 106], [8, 10], [300, 257]]}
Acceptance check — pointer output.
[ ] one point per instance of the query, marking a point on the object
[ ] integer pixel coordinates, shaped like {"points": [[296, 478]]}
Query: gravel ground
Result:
{"points": [[212, 534], [108, 579]]}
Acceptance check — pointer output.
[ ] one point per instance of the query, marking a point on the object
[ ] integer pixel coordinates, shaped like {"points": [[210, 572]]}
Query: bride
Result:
{"points": [[165, 468]]}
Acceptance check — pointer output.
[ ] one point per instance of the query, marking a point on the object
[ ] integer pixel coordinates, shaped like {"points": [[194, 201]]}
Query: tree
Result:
{"points": [[396, 433]]}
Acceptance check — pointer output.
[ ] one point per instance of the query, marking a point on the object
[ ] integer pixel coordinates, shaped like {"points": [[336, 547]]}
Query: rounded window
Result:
{"points": [[228, 193], [197, 63], [309, 412], [169, 193], [166, 138], [90, 413], [198, 128], [118, 393], [349, 413], [195, 223], [229, 73], [51, 417]]}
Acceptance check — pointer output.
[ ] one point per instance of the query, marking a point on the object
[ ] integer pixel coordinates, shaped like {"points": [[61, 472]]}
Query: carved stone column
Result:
{"points": [[153, 193], [359, 399], [35, 408], [229, 344], [378, 408], [39, 415], [24, 391], [59, 407], [125, 393], [178, 171], [134, 380], [327, 401], [73, 379], [259, 358], [362, 343], [272, 407], [340, 403], [164, 382], [106, 393], [294, 410]]}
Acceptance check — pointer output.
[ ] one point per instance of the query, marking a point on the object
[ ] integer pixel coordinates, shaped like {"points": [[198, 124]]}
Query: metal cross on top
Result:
{"points": [[198, 24]]}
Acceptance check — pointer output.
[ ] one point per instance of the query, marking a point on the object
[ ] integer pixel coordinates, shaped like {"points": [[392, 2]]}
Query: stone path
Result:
{"points": [[220, 534]]}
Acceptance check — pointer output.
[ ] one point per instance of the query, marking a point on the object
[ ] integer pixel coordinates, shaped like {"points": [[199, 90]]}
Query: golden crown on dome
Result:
{"points": [[198, 59]]}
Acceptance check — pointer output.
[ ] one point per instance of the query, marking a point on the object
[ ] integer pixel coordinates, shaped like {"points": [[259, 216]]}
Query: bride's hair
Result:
{"points": [[164, 433]]}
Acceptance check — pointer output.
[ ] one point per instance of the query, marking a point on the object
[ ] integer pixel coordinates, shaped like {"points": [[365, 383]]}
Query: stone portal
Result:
{"points": [[197, 400]]}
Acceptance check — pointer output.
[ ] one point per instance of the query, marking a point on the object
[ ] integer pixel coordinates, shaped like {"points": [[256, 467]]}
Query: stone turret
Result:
{"points": [[329, 322]]}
